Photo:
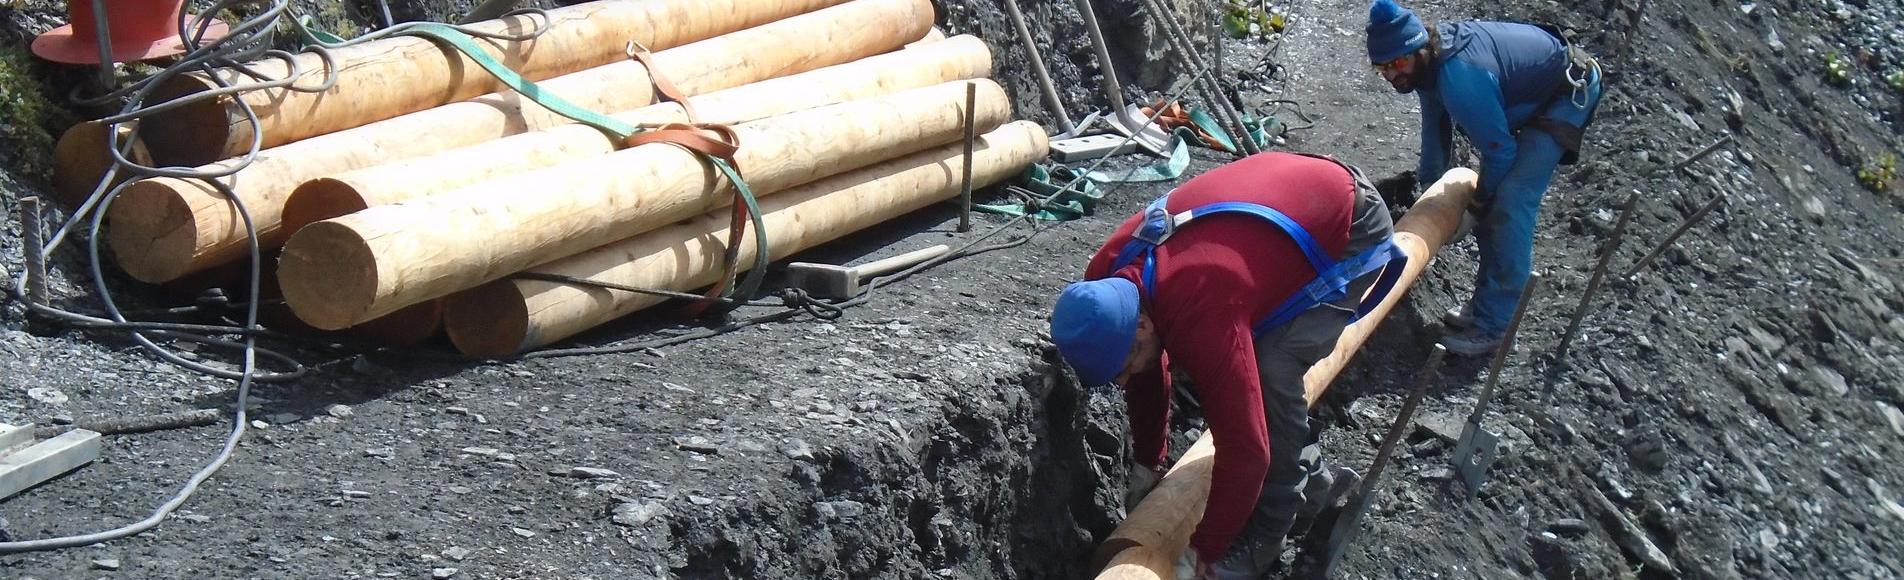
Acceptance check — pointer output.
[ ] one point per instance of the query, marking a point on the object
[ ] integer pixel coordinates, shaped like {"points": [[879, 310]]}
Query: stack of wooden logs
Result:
{"points": [[406, 195]]}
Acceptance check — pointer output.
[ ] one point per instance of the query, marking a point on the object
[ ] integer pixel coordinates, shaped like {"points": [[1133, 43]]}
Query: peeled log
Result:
{"points": [[347, 270], [163, 228], [403, 74], [82, 157], [959, 58], [510, 316], [1146, 545]]}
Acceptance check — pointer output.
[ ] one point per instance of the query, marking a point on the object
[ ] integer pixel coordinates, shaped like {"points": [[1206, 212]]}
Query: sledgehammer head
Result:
{"points": [[823, 280], [827, 281]]}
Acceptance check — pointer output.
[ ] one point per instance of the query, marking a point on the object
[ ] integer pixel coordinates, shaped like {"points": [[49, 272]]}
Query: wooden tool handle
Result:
{"points": [[900, 262]]}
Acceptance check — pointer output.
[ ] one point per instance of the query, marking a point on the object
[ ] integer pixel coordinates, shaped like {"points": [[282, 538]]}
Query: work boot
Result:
{"points": [[1250, 557], [1459, 318], [1326, 488], [1472, 342]]}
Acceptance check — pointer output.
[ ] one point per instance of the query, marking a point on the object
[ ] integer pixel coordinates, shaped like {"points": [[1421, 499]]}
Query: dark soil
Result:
{"points": [[1730, 403]]}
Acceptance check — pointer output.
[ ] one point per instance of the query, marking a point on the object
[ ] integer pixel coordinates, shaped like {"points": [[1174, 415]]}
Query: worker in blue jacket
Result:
{"points": [[1523, 97]]}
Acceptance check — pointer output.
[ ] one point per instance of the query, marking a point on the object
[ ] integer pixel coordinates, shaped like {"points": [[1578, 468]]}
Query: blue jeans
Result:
{"points": [[1506, 233]]}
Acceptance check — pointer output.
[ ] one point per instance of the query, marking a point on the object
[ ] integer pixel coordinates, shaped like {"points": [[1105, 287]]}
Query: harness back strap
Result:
{"points": [[1332, 277]]}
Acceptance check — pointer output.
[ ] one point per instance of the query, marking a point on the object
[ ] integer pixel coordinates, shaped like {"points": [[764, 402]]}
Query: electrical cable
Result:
{"points": [[245, 41]]}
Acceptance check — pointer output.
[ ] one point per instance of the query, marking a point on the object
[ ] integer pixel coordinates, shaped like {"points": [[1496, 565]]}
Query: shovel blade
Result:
{"points": [[1473, 455]]}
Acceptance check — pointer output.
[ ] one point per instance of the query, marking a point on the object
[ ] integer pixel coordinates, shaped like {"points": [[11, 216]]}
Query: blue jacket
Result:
{"points": [[1490, 79]]}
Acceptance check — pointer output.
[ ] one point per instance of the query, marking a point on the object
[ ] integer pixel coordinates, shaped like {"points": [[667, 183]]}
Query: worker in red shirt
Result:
{"points": [[1243, 277]]}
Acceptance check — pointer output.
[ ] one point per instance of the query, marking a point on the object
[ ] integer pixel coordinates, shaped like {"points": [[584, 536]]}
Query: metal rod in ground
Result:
{"points": [[1674, 237], [1507, 346], [1702, 153], [1593, 282], [1348, 525], [1111, 86], [1212, 91], [1632, 29], [1038, 68], [33, 238], [107, 77], [965, 179]]}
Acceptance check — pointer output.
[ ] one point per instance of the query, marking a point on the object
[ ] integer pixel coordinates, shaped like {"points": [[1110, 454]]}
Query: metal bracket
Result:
{"points": [[1474, 454]]}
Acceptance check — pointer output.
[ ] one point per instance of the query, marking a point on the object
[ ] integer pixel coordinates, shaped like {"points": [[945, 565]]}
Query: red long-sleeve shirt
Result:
{"points": [[1216, 278]]}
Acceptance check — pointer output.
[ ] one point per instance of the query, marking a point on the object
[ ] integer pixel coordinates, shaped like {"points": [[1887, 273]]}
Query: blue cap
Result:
{"points": [[1393, 31], [1094, 324]]}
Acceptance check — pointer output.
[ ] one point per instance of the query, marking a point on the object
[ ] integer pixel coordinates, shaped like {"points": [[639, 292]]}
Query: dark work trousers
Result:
{"points": [[1283, 355]]}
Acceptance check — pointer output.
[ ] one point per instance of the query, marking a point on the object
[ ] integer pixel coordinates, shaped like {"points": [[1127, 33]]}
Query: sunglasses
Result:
{"points": [[1390, 65]]}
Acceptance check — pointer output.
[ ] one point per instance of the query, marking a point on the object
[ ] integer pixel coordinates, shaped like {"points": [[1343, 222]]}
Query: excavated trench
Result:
{"points": [[1016, 482], [1020, 478]]}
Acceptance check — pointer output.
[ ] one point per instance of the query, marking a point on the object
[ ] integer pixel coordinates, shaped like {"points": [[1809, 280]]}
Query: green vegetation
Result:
{"points": [[1879, 176], [1242, 20], [28, 116], [1837, 69], [1896, 81]]}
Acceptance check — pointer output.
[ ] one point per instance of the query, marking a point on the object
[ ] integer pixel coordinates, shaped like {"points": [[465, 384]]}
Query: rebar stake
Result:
{"points": [[1348, 525], [1593, 282], [1507, 346], [1690, 221], [1478, 448], [34, 242], [965, 182], [1702, 153]]}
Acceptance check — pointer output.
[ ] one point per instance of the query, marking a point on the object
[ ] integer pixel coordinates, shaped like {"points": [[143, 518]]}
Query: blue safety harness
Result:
{"points": [[1332, 277]]}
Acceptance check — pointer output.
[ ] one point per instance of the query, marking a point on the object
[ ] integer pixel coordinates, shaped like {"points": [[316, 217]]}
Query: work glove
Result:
{"points": [[1188, 566], [1139, 483]]}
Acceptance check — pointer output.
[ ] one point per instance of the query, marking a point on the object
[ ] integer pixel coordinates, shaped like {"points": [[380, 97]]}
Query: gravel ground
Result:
{"points": [[1735, 405]]}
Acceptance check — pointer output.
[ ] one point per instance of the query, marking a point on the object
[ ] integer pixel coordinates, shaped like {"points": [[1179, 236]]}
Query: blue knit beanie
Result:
{"points": [[1094, 324], [1393, 31]]}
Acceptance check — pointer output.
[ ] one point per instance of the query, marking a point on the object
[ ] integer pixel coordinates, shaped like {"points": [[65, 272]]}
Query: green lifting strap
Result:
{"points": [[462, 42], [468, 46]]}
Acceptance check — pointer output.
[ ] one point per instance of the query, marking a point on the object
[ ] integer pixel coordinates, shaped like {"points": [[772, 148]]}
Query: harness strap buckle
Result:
{"points": [[1159, 224]]}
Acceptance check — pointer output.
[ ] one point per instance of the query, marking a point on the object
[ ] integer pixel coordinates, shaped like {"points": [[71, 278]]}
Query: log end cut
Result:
{"points": [[152, 230], [321, 199], [82, 157], [488, 321], [195, 133], [329, 275]]}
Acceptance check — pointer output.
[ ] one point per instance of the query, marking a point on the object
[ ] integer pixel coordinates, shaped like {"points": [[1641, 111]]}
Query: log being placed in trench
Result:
{"points": [[510, 316], [959, 58], [1146, 545], [163, 228], [347, 270], [393, 76]]}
